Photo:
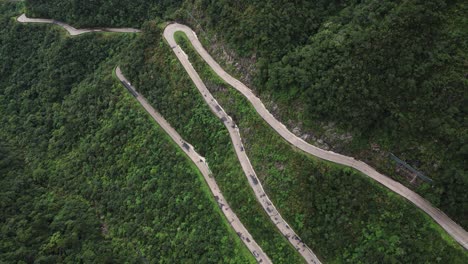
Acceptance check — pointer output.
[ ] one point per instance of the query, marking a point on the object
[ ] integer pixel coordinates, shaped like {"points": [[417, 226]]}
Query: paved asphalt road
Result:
{"points": [[254, 182], [452, 228], [199, 161], [203, 167], [73, 31]]}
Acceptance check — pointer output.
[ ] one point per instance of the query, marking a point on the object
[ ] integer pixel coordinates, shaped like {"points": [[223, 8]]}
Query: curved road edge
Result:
{"points": [[199, 161], [275, 217], [74, 31], [452, 228]]}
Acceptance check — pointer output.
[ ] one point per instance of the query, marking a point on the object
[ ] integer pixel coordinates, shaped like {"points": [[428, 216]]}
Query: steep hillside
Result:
{"points": [[153, 68], [91, 13], [86, 176], [343, 215], [367, 78]]}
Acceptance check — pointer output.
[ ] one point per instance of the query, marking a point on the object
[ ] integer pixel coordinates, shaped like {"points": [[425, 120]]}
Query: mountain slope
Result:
{"points": [[369, 78], [86, 175]]}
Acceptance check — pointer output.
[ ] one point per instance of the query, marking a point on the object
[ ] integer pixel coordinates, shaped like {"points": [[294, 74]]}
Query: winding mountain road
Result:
{"points": [[199, 161], [452, 228], [73, 31], [188, 149], [249, 172]]}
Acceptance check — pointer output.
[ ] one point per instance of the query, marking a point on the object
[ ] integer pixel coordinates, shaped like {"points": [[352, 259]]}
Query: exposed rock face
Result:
{"points": [[296, 131]]}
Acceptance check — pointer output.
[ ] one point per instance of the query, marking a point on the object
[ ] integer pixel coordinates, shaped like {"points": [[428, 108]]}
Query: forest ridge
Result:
{"points": [[362, 66]]}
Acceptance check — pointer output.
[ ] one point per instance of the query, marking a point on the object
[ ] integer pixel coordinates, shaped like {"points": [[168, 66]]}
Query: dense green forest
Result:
{"points": [[390, 73], [155, 71], [324, 202], [86, 176], [73, 143], [91, 13]]}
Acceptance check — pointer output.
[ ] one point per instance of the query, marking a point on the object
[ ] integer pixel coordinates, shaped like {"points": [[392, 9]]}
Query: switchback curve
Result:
{"points": [[233, 130], [199, 161], [74, 31], [452, 228]]}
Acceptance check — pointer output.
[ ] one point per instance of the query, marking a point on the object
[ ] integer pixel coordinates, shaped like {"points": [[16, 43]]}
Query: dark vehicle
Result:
{"points": [[130, 88], [186, 146]]}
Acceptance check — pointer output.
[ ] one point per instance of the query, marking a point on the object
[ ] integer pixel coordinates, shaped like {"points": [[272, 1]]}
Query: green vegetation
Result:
{"points": [[86, 175], [389, 72], [91, 13], [157, 74], [326, 203]]}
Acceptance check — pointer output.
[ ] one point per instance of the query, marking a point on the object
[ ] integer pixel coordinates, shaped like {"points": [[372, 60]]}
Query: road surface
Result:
{"points": [[203, 167], [249, 172], [452, 228], [199, 161], [73, 31]]}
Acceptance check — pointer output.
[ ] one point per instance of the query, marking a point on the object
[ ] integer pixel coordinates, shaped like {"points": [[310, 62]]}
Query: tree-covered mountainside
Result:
{"points": [[158, 75], [325, 203], [390, 72], [86, 176], [92, 13]]}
